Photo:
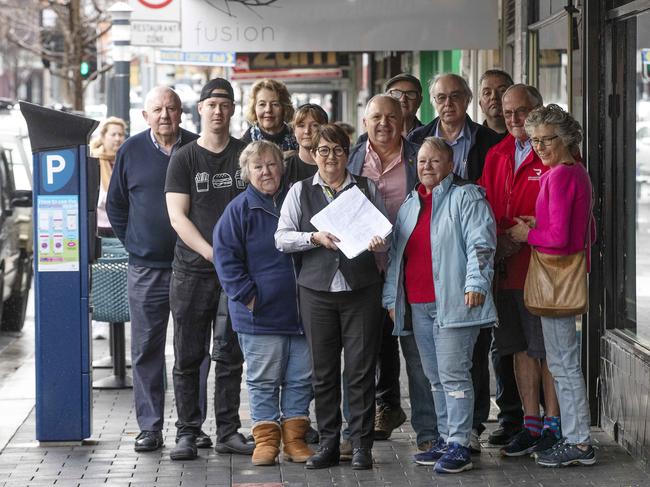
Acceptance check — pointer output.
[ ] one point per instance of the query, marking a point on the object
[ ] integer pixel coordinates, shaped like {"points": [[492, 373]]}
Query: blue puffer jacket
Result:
{"points": [[249, 265], [463, 242]]}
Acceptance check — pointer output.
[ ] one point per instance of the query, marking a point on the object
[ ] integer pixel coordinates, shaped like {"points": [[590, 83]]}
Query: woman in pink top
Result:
{"points": [[563, 210]]}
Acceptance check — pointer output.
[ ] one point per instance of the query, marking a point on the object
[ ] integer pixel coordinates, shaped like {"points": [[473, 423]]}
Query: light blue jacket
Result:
{"points": [[463, 242]]}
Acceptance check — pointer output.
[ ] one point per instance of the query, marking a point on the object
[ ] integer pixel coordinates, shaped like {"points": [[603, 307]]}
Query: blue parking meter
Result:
{"points": [[65, 186]]}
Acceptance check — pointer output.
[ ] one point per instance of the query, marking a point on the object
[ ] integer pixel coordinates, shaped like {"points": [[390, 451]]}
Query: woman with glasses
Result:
{"points": [[339, 300], [269, 112], [560, 227], [439, 281], [306, 121]]}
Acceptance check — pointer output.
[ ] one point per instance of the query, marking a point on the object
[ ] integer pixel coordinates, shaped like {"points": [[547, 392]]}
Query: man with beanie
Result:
{"points": [[202, 179]]}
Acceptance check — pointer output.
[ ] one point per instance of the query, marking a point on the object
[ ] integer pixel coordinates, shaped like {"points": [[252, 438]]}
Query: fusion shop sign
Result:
{"points": [[338, 25]]}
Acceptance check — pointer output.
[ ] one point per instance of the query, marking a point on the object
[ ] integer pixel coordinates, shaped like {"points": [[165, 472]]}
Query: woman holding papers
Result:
{"points": [[339, 299], [439, 278], [263, 305]]}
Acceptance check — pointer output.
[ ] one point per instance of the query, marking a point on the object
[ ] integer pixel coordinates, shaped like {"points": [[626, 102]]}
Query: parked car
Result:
{"points": [[16, 230]]}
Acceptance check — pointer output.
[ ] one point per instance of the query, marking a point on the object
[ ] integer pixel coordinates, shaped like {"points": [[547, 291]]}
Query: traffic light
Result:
{"points": [[88, 66]]}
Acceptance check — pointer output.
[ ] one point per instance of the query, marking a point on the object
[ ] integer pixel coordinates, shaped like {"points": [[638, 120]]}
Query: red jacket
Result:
{"points": [[511, 194]]}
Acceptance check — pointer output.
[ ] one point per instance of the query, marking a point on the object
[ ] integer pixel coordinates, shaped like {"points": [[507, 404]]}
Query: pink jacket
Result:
{"points": [[563, 209]]}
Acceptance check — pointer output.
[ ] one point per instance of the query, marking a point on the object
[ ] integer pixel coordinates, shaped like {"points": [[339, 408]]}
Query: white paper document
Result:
{"points": [[354, 220]]}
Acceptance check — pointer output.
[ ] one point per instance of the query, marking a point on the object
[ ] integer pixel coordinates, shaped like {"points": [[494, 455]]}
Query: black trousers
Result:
{"points": [[194, 300], [481, 379], [343, 321], [388, 365]]}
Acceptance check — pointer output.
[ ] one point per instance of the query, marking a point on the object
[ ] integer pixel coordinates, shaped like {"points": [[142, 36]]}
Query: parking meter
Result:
{"points": [[65, 186]]}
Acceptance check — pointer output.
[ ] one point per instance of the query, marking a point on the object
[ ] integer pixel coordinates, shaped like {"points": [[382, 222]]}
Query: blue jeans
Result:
{"points": [[446, 355], [278, 375], [563, 358]]}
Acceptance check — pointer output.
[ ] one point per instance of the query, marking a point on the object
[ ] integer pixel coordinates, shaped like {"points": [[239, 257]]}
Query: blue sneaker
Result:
{"points": [[457, 459], [564, 454], [431, 456]]}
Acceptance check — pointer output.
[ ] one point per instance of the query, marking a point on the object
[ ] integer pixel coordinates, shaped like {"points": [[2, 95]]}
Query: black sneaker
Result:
{"points": [[504, 434], [546, 442], [203, 440], [565, 454], [522, 444]]}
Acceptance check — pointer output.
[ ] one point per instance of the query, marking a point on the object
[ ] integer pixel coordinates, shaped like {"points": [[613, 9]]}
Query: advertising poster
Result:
{"points": [[58, 233]]}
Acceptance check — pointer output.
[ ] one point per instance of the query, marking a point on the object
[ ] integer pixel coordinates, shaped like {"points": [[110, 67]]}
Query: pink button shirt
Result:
{"points": [[390, 181]]}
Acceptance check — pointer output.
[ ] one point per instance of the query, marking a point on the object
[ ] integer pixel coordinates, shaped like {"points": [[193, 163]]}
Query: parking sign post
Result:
{"points": [[65, 182]]}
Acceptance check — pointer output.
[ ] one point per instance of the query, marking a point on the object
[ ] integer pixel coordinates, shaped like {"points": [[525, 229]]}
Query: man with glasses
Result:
{"points": [[390, 161], [511, 179], [492, 86], [470, 142], [407, 90]]}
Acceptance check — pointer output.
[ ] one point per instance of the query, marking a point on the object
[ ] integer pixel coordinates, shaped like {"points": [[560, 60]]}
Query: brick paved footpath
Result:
{"points": [[108, 459]]}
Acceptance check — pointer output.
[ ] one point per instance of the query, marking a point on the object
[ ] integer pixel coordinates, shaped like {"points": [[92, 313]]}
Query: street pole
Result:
{"points": [[119, 85]]}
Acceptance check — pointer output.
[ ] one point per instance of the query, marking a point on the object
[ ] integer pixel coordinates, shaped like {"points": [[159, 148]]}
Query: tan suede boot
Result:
{"points": [[267, 442], [293, 437]]}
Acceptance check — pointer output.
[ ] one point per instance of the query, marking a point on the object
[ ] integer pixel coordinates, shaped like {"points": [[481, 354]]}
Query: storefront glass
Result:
{"points": [[637, 177]]}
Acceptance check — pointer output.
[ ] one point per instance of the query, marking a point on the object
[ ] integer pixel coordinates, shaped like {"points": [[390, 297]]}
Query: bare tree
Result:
{"points": [[62, 32]]}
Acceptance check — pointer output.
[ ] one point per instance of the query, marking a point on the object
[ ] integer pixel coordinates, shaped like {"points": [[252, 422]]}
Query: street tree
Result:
{"points": [[63, 33]]}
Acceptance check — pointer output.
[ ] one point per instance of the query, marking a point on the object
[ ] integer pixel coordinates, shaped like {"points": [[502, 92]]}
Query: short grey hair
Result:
{"points": [[534, 96], [383, 96], [158, 91], [439, 144], [454, 76], [257, 148], [566, 127]]}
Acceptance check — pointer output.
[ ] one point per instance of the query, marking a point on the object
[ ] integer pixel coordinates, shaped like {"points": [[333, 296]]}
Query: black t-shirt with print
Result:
{"points": [[212, 180]]}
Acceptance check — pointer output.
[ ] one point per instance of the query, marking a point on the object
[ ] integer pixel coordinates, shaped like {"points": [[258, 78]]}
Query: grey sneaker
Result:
{"points": [[474, 443], [564, 454], [345, 450]]}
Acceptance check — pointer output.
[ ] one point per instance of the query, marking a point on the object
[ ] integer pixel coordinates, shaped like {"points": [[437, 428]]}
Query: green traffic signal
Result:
{"points": [[84, 69]]}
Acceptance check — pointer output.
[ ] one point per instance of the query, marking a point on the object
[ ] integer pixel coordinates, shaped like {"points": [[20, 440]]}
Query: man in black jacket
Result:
{"points": [[470, 142], [450, 96]]}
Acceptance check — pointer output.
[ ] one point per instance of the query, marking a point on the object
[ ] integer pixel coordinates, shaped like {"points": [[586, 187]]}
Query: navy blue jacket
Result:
{"points": [[136, 205], [249, 266], [483, 138], [410, 155]]}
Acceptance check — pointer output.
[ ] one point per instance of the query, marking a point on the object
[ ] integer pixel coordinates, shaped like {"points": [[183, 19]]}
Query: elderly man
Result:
{"points": [[138, 214], [390, 161], [407, 90], [470, 142], [202, 178], [492, 86], [511, 179]]}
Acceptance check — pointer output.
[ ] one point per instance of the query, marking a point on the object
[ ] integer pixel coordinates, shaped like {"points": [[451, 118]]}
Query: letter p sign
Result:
{"points": [[57, 169], [54, 163]]}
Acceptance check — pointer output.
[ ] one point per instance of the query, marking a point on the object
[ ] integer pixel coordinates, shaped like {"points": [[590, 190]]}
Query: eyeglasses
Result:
{"points": [[398, 94], [521, 112], [324, 151], [543, 141], [442, 98]]}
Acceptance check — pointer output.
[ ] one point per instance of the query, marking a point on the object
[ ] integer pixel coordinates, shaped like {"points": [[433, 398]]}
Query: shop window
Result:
{"points": [[637, 181]]}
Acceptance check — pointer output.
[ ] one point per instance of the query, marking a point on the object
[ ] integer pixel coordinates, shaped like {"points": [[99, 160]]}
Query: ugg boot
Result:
{"points": [[267, 442], [293, 437]]}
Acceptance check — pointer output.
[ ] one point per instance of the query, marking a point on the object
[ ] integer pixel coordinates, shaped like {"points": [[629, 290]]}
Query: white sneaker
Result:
{"points": [[474, 443]]}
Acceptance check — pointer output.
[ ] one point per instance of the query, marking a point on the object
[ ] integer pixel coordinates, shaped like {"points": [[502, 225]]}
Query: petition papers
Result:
{"points": [[354, 220]]}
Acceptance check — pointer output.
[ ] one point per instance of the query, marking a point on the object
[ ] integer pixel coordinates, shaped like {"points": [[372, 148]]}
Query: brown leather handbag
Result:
{"points": [[556, 285]]}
